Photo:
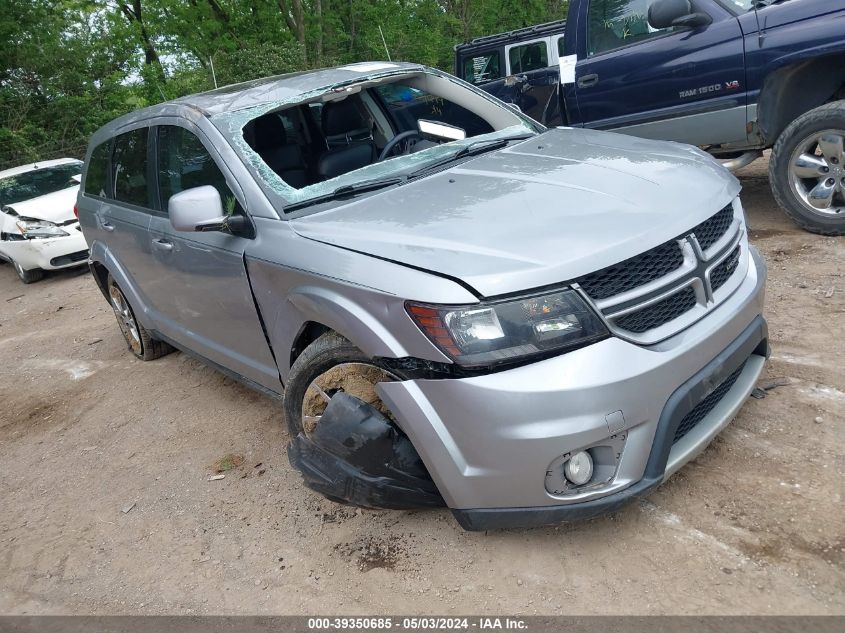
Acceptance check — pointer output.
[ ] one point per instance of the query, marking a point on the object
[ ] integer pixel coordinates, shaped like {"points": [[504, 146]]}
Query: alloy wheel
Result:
{"points": [[125, 318], [817, 172]]}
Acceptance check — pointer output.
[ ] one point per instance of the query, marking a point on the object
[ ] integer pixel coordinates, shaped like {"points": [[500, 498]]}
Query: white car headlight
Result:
{"points": [[31, 229], [509, 330]]}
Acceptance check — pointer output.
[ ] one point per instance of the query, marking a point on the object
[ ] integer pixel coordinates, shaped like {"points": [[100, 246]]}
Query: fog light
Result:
{"points": [[579, 468]]}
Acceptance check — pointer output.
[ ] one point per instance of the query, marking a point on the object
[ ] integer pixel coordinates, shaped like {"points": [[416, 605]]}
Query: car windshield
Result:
{"points": [[382, 130], [38, 182]]}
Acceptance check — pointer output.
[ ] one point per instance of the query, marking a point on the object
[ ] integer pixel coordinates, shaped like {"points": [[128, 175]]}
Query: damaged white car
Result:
{"points": [[38, 226]]}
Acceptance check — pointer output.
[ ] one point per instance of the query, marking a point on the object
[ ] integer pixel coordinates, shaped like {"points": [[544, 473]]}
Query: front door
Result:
{"points": [[672, 84], [203, 298]]}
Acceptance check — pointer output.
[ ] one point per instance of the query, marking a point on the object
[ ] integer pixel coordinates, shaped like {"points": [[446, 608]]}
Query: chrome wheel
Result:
{"points": [[356, 379], [817, 172], [125, 318]]}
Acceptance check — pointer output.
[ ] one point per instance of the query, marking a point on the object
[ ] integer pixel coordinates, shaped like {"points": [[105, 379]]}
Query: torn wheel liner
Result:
{"points": [[357, 455]]}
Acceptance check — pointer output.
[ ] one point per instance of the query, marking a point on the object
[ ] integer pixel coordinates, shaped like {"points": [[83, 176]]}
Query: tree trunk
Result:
{"points": [[135, 16]]}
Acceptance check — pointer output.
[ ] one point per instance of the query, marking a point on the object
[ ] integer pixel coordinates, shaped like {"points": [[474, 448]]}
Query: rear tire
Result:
{"points": [[28, 276], [792, 190], [138, 339]]}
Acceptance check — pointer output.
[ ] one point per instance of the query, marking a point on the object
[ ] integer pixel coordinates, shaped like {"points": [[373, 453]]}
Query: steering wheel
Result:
{"points": [[409, 139]]}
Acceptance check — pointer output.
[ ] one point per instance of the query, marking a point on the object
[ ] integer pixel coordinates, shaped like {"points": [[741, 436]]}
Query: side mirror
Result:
{"points": [[196, 209], [441, 130], [200, 209], [663, 14]]}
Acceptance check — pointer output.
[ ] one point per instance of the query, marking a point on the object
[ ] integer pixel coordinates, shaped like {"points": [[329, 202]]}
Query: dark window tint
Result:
{"points": [[97, 175], [529, 57], [129, 168], [616, 23], [38, 182], [408, 105], [482, 68], [184, 163], [560, 48]]}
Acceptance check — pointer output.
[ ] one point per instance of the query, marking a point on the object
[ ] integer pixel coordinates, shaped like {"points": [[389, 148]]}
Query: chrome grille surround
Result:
{"points": [[656, 295]]}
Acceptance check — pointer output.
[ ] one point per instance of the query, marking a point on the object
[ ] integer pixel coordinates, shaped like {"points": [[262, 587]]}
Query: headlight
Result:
{"points": [[509, 330], [34, 229]]}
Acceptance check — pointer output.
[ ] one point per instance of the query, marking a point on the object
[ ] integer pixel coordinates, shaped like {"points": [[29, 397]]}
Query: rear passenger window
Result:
{"points": [[184, 163], [97, 176], [482, 68], [528, 57], [129, 168]]}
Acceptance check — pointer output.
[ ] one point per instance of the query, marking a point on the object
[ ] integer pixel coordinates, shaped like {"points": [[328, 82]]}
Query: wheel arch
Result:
{"points": [[797, 88], [103, 263]]}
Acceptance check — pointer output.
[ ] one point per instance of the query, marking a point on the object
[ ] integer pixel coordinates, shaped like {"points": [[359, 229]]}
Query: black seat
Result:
{"points": [[349, 140], [269, 139]]}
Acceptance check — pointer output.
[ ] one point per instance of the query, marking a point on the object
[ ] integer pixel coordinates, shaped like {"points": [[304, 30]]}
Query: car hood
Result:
{"points": [[54, 207], [541, 212]]}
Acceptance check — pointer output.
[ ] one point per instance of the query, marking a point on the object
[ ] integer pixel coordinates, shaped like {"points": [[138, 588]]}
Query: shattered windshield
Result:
{"points": [[38, 182], [336, 139]]}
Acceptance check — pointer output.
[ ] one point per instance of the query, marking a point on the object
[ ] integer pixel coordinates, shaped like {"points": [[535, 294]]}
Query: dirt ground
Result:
{"points": [[106, 506]]}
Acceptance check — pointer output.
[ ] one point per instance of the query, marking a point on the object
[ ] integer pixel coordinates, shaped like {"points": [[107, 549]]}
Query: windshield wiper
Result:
{"points": [[346, 191], [472, 149]]}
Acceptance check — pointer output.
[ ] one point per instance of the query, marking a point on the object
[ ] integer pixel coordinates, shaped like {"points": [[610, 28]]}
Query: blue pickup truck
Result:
{"points": [[734, 77]]}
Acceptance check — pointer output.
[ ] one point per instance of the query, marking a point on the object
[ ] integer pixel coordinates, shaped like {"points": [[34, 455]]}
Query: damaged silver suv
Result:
{"points": [[461, 307]]}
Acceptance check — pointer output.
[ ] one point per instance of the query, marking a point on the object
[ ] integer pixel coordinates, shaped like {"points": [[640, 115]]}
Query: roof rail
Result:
{"points": [[537, 29]]}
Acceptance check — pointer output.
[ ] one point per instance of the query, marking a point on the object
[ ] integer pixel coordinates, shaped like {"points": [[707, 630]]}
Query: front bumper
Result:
{"points": [[488, 441], [48, 254]]}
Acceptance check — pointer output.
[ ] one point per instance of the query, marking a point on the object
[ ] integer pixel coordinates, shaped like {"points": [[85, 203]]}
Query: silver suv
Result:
{"points": [[461, 307]]}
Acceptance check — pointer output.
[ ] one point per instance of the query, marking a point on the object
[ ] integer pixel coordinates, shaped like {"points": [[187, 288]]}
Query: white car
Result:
{"points": [[39, 229]]}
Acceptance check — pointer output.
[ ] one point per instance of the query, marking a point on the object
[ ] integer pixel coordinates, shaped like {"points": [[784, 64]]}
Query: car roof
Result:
{"points": [[249, 94], [22, 169]]}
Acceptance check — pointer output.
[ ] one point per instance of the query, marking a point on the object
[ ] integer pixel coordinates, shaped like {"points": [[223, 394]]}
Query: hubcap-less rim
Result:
{"points": [[125, 319], [356, 379], [817, 172]]}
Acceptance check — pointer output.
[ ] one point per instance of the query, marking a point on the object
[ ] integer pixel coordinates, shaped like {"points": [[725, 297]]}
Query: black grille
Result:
{"points": [[721, 273], [708, 232], [633, 272], [658, 313], [704, 407], [63, 260]]}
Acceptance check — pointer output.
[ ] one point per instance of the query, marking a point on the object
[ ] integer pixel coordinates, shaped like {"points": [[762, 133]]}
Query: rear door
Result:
{"points": [[675, 84], [533, 77], [201, 292], [123, 216]]}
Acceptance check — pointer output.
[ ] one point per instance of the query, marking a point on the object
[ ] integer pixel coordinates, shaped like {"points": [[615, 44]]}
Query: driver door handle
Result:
{"points": [[162, 244], [107, 226], [587, 81]]}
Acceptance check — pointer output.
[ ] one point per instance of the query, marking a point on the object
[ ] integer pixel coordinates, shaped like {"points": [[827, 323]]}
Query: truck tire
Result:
{"points": [[28, 276], [807, 170], [139, 340]]}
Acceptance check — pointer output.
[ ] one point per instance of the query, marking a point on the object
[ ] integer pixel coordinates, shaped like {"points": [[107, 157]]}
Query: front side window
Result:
{"points": [[184, 163], [482, 68], [616, 23], [528, 57], [38, 182], [129, 168], [97, 175]]}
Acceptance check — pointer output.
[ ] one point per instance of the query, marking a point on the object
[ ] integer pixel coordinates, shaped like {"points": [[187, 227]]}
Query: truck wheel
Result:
{"points": [[330, 364], [137, 337], [28, 276], [807, 170]]}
